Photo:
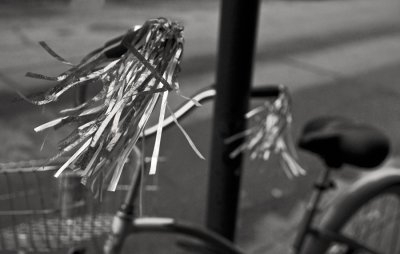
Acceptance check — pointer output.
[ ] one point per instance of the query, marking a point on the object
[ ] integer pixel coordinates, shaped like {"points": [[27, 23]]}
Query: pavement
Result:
{"points": [[336, 57]]}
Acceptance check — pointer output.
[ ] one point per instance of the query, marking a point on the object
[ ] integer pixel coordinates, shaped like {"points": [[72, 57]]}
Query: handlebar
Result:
{"points": [[204, 95], [207, 94]]}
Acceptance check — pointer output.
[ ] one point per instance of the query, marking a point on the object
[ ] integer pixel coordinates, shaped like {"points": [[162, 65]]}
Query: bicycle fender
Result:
{"points": [[347, 203]]}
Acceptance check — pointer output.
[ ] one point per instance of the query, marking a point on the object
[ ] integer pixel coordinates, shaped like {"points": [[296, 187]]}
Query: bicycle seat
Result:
{"points": [[341, 141]]}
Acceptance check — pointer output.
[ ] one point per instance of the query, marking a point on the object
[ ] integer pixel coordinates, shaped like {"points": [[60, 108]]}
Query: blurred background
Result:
{"points": [[338, 57]]}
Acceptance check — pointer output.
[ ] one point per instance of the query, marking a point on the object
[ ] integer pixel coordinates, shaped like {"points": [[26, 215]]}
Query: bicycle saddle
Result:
{"points": [[341, 141]]}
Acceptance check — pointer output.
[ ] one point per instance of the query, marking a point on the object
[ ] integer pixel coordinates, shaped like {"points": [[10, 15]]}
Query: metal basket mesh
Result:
{"points": [[40, 213]]}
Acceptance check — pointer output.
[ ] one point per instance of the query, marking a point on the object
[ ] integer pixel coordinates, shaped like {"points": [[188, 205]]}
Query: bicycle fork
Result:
{"points": [[121, 225], [120, 229]]}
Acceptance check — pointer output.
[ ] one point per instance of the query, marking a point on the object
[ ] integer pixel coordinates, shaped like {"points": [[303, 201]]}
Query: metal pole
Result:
{"points": [[238, 26]]}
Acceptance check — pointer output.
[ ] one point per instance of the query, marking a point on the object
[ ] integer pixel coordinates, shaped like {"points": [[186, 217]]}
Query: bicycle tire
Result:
{"points": [[207, 240], [342, 215]]}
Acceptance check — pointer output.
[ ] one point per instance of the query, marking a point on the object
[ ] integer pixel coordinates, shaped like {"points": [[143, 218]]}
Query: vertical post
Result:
{"points": [[237, 37]]}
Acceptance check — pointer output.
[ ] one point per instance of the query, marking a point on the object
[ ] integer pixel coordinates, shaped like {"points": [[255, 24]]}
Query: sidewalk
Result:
{"points": [[286, 28], [337, 57]]}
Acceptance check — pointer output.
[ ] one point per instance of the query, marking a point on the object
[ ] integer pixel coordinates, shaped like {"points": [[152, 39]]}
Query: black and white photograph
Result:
{"points": [[203, 127]]}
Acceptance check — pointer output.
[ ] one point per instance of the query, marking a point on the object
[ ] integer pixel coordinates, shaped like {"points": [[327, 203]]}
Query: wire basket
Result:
{"points": [[41, 213]]}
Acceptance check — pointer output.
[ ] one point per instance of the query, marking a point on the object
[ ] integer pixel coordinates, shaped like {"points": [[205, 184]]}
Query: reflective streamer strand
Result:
{"points": [[133, 71], [54, 54], [270, 133], [154, 157]]}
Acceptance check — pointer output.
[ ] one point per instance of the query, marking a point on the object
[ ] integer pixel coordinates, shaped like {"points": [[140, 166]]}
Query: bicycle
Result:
{"points": [[357, 145], [317, 137]]}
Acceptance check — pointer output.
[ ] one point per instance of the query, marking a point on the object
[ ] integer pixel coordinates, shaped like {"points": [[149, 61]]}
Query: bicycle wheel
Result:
{"points": [[368, 213]]}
